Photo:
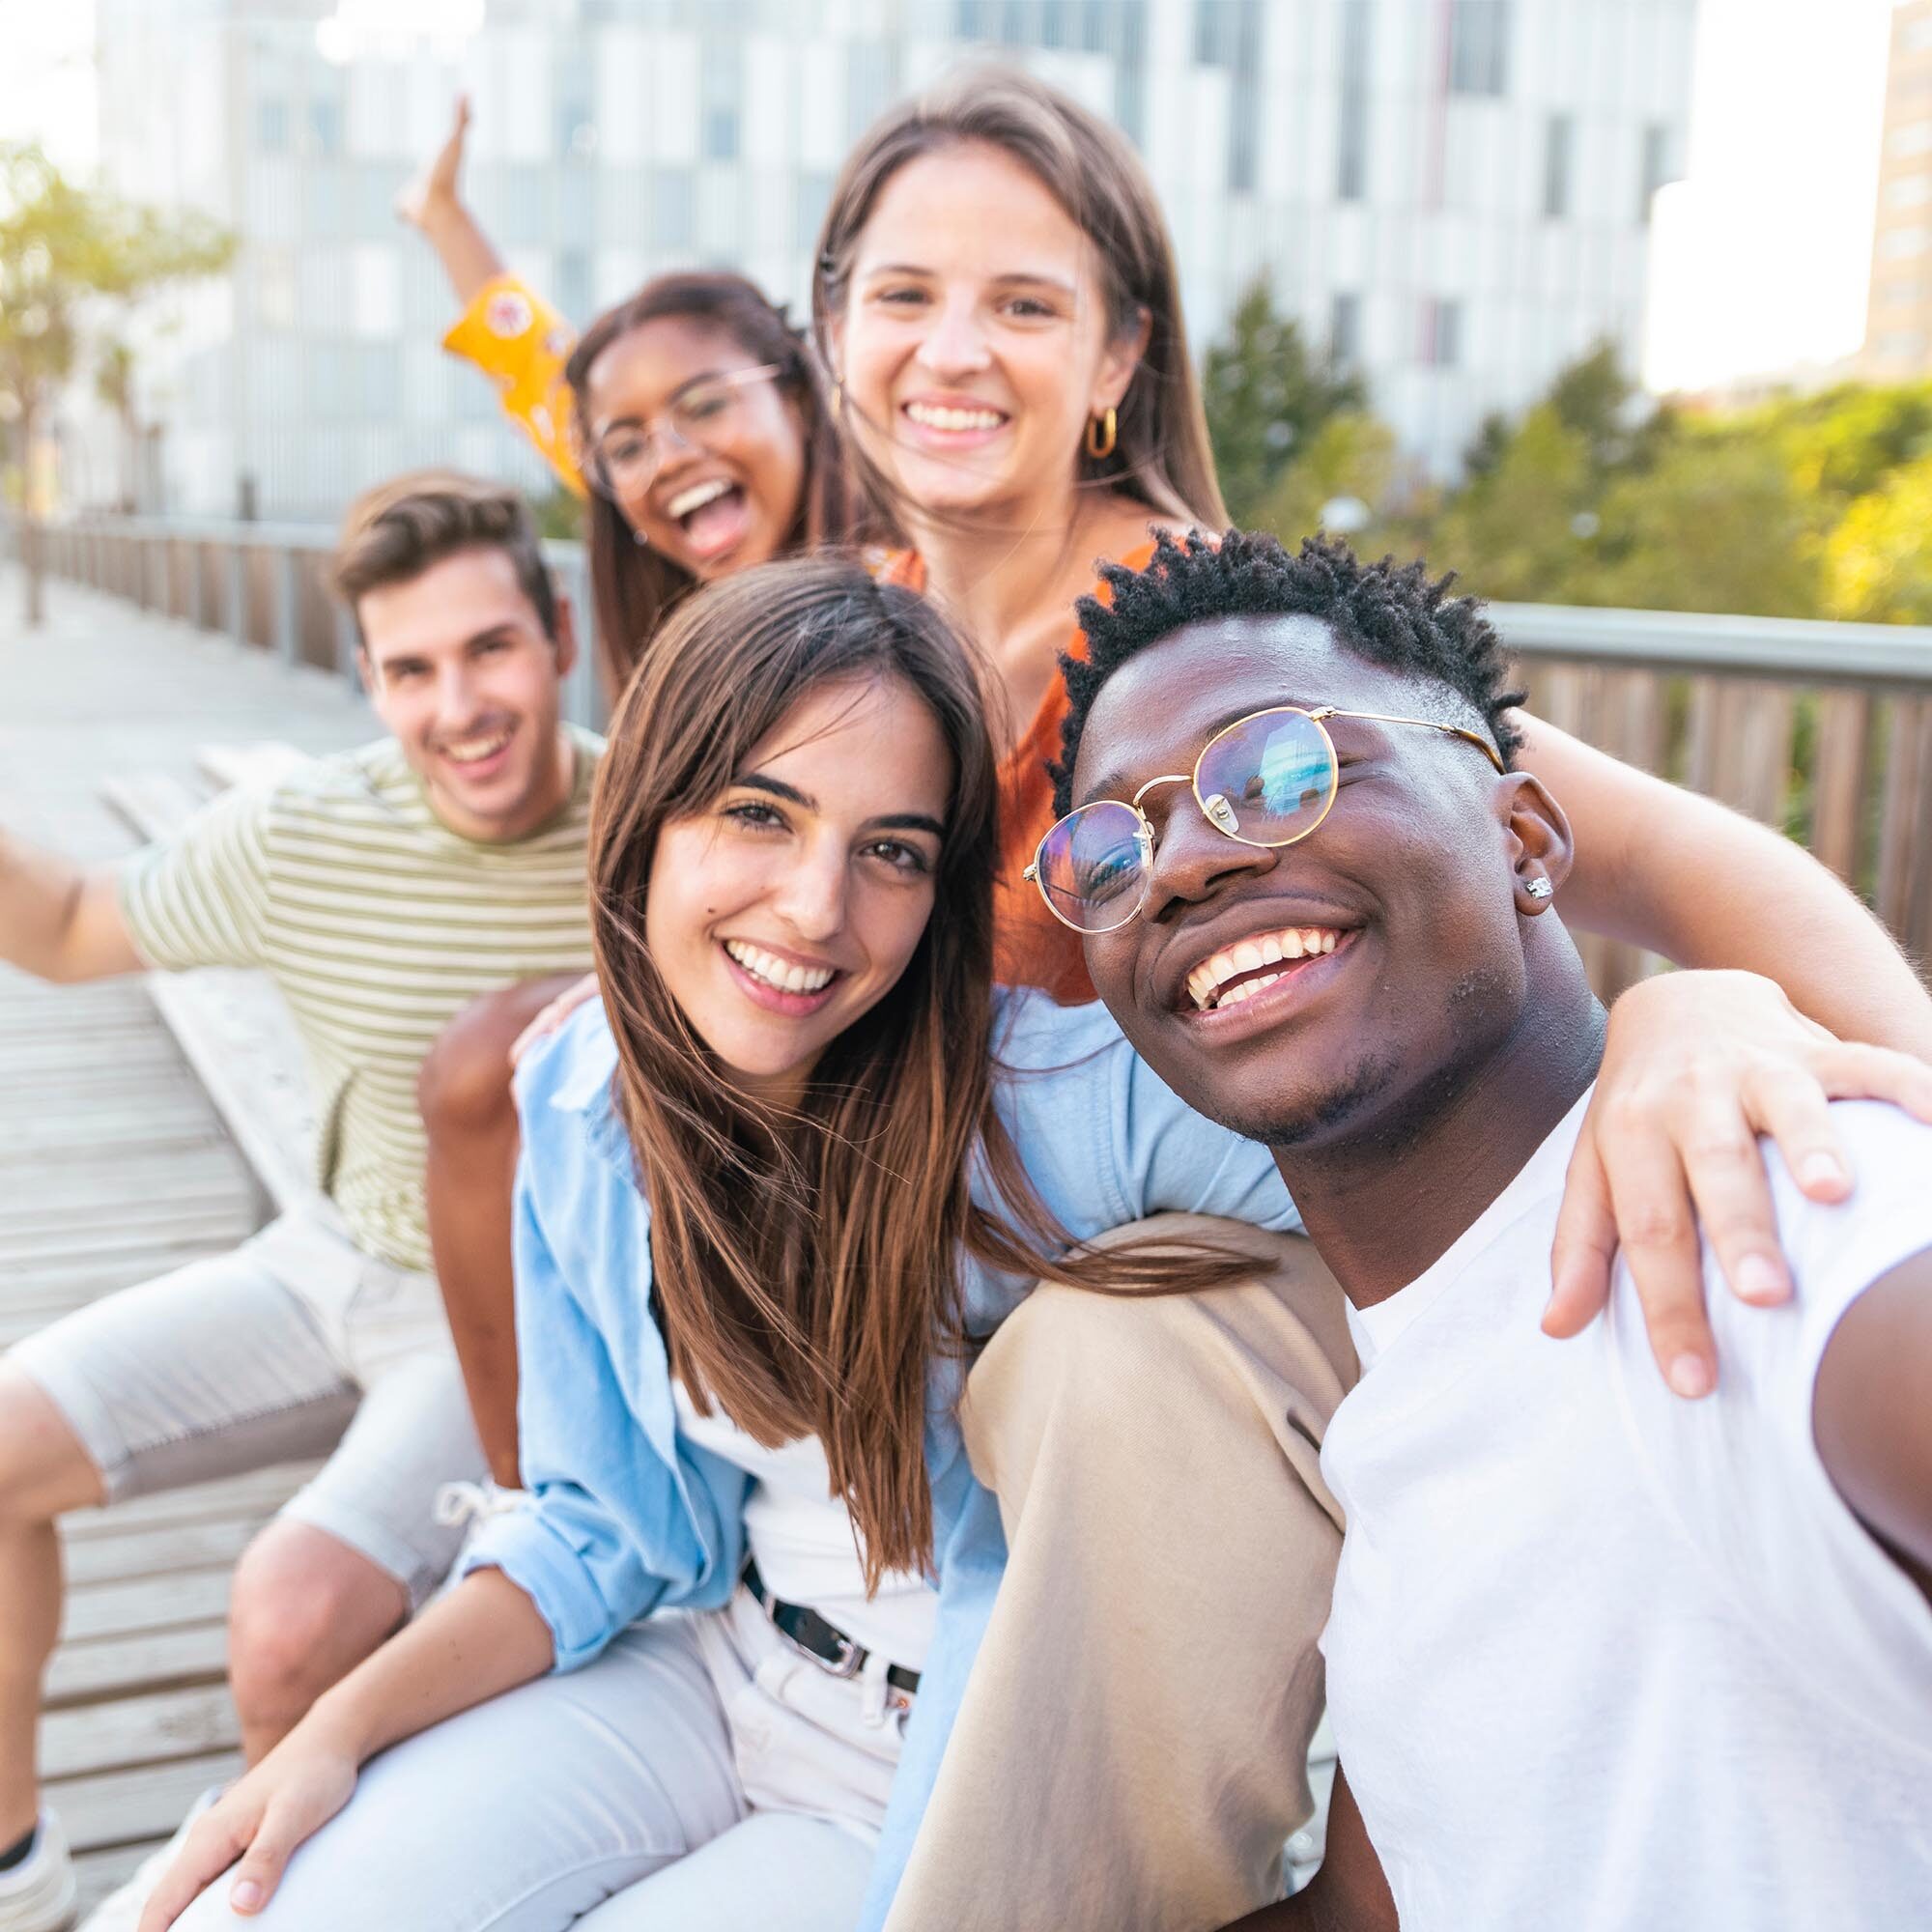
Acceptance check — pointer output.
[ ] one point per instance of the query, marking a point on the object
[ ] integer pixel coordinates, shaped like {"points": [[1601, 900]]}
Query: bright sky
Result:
{"points": [[1762, 253]]}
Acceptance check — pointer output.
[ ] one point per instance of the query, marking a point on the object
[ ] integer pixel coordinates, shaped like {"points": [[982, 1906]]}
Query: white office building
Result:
{"points": [[1455, 194]]}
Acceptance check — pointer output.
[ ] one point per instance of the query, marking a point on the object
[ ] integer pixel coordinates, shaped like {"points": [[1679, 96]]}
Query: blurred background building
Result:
{"points": [[1898, 324], [1454, 196]]}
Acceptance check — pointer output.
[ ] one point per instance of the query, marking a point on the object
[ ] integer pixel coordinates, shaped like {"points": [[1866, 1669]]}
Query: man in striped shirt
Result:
{"points": [[383, 890]]}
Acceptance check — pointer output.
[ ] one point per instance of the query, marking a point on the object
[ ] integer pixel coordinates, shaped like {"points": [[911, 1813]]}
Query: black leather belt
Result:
{"points": [[825, 1643]]}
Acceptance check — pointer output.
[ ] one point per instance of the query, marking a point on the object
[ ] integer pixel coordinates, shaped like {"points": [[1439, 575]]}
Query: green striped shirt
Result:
{"points": [[379, 923]]}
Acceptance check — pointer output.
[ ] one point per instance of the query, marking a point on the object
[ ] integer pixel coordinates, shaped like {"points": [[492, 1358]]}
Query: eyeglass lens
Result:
{"points": [[1265, 781], [627, 459]]}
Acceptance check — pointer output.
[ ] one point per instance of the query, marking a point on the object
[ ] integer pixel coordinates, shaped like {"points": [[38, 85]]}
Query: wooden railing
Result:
{"points": [[265, 585], [1822, 731]]}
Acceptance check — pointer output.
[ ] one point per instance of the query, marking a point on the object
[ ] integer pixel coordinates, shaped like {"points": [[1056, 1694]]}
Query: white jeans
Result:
{"points": [[700, 1776]]}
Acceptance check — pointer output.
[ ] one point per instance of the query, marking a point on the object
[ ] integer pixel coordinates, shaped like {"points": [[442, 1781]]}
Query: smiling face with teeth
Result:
{"points": [[790, 906], [732, 498], [460, 668], [1302, 992], [974, 341]]}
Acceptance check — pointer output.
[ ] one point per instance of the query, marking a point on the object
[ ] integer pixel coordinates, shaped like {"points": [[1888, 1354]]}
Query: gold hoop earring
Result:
{"points": [[1102, 433]]}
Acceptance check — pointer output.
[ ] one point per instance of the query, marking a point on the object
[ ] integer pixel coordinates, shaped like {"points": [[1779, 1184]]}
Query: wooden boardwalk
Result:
{"points": [[114, 1168]]}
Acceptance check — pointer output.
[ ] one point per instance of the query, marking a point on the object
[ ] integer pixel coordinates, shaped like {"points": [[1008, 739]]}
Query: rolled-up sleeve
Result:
{"points": [[564, 1547], [619, 1518]]}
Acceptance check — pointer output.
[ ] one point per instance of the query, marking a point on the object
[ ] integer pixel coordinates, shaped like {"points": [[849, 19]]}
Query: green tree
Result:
{"points": [[71, 256], [1516, 532], [1267, 396], [1339, 480], [1716, 523], [1877, 560]]}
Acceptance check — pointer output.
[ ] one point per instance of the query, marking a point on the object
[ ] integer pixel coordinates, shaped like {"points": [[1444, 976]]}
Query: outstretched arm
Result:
{"points": [[1699, 1065], [433, 204], [59, 922]]}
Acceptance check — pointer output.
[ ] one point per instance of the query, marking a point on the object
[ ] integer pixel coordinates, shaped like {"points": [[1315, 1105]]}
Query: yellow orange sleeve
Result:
{"points": [[522, 344]]}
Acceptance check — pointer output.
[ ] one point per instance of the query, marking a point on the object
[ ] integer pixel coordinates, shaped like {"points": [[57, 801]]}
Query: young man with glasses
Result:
{"points": [[383, 890], [1597, 1658]]}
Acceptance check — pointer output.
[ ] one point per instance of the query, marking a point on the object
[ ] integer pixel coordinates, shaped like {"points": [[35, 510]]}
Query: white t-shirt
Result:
{"points": [[804, 1542], [1603, 1659]]}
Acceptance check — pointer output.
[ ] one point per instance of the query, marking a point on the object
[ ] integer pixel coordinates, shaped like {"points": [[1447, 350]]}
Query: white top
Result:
{"points": [[804, 1542], [1600, 1658]]}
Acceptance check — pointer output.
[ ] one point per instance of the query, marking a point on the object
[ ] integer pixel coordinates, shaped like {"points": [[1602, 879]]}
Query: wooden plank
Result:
{"points": [[120, 1807], [146, 1603], [163, 1724], [106, 1871], [159, 1551], [261, 762], [238, 1036], [194, 1654], [256, 1494], [1840, 773], [1905, 847]]}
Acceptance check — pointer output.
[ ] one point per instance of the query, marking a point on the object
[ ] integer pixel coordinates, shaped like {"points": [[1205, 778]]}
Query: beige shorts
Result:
{"points": [[297, 1345]]}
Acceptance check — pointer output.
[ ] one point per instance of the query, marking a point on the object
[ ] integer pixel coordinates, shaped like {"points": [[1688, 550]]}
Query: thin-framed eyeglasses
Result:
{"points": [[1269, 779], [626, 457]]}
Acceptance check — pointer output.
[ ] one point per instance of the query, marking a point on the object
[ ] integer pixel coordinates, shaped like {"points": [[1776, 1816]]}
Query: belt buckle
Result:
{"points": [[849, 1663]]}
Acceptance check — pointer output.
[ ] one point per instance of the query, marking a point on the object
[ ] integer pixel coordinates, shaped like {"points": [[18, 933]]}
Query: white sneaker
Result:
{"points": [[121, 1910], [37, 1896]]}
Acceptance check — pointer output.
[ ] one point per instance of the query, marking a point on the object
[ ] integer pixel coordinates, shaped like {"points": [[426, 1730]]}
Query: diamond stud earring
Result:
{"points": [[1539, 889]]}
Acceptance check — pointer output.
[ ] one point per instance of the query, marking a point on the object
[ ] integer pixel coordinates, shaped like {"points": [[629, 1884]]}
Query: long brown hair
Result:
{"points": [[1161, 455], [805, 1264], [633, 587]]}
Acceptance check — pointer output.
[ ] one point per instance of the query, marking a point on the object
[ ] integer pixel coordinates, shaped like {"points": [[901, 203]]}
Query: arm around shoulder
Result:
{"points": [[59, 922]]}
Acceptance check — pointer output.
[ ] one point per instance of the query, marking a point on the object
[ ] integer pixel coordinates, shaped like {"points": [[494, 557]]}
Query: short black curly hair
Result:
{"points": [[1387, 612]]}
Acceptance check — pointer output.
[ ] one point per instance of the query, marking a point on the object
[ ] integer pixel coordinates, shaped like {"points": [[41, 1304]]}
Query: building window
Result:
{"points": [[973, 20], [1442, 334], [1344, 330], [1656, 166], [721, 85], [1917, 37], [1352, 155], [1914, 138], [573, 292], [272, 125], [1908, 191], [575, 115], [1560, 134], [813, 195], [672, 199], [324, 125], [1478, 46], [871, 79], [1901, 241]]}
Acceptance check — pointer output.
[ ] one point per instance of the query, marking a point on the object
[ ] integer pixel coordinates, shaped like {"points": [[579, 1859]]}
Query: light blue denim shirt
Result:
{"points": [[623, 1515]]}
